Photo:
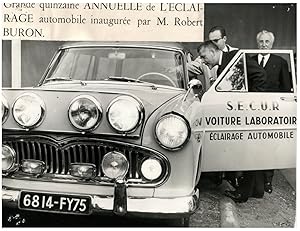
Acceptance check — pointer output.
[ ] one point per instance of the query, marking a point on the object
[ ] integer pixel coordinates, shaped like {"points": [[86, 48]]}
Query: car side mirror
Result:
{"points": [[196, 86]]}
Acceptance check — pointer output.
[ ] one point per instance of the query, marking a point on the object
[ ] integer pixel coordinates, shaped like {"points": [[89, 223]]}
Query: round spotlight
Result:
{"points": [[85, 113], [8, 158], [28, 110], [4, 109], [114, 165], [151, 169], [172, 131], [125, 114]]}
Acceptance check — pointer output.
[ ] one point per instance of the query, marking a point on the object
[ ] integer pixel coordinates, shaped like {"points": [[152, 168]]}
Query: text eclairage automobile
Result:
{"points": [[119, 128]]}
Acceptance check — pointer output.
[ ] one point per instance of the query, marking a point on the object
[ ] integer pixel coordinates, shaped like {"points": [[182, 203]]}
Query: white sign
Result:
{"points": [[104, 21]]}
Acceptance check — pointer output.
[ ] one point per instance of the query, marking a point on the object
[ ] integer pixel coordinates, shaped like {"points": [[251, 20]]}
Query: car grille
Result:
{"points": [[59, 155]]}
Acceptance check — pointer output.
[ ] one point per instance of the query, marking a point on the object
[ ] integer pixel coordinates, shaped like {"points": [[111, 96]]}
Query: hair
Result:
{"points": [[265, 32], [208, 44], [219, 28]]}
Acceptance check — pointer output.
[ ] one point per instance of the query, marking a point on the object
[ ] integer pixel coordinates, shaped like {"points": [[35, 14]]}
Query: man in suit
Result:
{"points": [[278, 76], [212, 56], [278, 80], [250, 185], [217, 34]]}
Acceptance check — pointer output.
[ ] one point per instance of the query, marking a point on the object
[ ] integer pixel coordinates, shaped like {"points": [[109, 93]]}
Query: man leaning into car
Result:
{"points": [[217, 34], [212, 56]]}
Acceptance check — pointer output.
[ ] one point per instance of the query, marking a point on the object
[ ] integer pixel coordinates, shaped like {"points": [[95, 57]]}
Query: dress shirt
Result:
{"points": [[220, 59], [229, 48], [266, 58]]}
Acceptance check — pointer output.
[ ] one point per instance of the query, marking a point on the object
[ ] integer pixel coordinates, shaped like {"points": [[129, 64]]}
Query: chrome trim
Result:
{"points": [[44, 89], [99, 110], [126, 162], [93, 166], [139, 105], [36, 161], [120, 197], [98, 180], [42, 106], [14, 166], [152, 206], [5, 109], [181, 118], [120, 45], [68, 142]]}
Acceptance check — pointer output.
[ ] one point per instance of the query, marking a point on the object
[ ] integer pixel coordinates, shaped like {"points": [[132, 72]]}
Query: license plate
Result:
{"points": [[58, 203]]}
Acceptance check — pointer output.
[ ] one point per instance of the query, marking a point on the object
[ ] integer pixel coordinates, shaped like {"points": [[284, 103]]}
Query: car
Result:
{"points": [[120, 128]]}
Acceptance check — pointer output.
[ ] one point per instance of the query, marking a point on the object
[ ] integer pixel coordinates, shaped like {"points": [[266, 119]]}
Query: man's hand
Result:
{"points": [[196, 66]]}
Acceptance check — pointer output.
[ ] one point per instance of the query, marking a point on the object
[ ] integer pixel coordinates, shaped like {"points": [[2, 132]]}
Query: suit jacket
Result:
{"points": [[278, 76], [255, 73]]}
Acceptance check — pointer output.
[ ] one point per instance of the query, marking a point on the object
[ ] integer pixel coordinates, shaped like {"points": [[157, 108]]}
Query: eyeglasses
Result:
{"points": [[215, 40]]}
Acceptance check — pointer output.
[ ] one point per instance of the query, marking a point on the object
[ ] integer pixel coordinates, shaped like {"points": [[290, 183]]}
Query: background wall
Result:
{"points": [[6, 63], [241, 21]]}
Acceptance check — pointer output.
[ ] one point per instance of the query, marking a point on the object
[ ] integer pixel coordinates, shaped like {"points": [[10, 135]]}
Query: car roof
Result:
{"points": [[161, 45]]}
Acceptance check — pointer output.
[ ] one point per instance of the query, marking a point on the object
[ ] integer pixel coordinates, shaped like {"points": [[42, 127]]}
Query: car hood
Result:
{"points": [[57, 98], [152, 96]]}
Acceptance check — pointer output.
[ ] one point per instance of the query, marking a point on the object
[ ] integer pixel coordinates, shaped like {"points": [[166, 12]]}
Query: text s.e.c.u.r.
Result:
{"points": [[252, 105]]}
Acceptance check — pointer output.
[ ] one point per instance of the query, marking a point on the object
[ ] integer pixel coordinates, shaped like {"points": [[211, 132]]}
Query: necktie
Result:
{"points": [[262, 62]]}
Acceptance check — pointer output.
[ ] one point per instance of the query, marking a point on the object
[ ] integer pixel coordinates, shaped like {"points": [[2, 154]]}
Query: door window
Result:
{"points": [[235, 77]]}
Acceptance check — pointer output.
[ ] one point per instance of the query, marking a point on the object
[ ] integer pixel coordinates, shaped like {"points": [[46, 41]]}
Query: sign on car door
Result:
{"points": [[246, 130]]}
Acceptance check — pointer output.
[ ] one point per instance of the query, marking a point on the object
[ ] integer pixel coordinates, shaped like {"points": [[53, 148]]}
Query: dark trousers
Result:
{"points": [[252, 184], [268, 175]]}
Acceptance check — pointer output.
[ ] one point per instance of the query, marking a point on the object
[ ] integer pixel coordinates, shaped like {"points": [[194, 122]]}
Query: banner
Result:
{"points": [[182, 22]]}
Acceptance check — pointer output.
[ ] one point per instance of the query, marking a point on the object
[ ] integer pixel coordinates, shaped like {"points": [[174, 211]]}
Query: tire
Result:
{"points": [[180, 222], [186, 222]]}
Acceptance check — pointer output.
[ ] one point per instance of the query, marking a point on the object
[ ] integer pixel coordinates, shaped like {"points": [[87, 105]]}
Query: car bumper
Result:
{"points": [[135, 206]]}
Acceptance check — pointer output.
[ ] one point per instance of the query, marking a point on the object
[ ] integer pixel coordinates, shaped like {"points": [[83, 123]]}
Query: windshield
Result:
{"points": [[156, 66]]}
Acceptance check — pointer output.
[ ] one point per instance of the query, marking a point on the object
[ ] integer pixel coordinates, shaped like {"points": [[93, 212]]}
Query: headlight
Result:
{"points": [[35, 167], [4, 109], [85, 113], [83, 170], [114, 165], [172, 131], [125, 114], [151, 169], [8, 158], [28, 110]]}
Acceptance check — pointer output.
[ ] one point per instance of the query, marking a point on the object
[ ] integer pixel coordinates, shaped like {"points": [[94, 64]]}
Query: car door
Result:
{"points": [[246, 130]]}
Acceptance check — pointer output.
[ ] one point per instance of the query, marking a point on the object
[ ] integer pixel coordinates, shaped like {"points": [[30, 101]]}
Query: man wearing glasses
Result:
{"points": [[217, 34]]}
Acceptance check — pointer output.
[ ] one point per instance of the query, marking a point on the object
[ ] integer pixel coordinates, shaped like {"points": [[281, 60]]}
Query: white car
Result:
{"points": [[119, 128]]}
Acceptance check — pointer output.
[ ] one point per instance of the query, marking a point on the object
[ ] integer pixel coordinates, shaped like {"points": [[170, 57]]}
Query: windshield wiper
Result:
{"points": [[58, 79], [125, 79], [64, 79]]}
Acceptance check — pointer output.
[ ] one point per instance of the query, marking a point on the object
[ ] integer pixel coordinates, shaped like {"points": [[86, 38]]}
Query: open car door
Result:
{"points": [[246, 130]]}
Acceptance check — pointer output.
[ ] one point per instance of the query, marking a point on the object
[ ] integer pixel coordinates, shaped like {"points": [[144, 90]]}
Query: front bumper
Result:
{"points": [[135, 206]]}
